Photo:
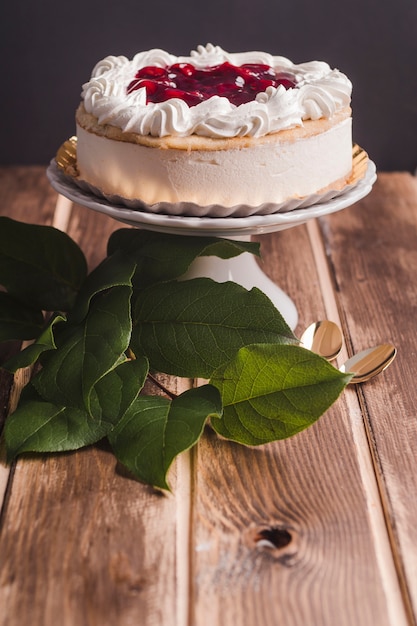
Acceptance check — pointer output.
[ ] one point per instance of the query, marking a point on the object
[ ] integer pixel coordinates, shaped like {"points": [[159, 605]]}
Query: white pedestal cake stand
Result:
{"points": [[243, 269]]}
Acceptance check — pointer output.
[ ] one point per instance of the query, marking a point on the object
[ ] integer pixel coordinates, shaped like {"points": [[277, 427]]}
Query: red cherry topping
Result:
{"points": [[239, 84]]}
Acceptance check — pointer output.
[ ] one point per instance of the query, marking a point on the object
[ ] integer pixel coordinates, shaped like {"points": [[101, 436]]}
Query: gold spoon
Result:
{"points": [[323, 338], [368, 363]]}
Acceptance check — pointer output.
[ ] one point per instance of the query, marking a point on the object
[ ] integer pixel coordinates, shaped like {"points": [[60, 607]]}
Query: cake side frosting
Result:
{"points": [[293, 163], [319, 93]]}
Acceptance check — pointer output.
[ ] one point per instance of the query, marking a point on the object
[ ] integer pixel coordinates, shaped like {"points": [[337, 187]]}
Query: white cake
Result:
{"points": [[290, 140]]}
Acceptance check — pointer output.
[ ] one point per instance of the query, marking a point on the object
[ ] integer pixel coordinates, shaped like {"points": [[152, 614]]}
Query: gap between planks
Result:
{"points": [[21, 378], [385, 549]]}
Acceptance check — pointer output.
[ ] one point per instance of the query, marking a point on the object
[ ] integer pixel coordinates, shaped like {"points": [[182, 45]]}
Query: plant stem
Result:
{"points": [[162, 387]]}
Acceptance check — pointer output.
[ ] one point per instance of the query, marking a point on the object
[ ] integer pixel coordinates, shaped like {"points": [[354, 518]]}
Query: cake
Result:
{"points": [[214, 128]]}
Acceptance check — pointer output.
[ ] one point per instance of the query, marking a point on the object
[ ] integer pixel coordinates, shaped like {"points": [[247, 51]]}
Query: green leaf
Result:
{"points": [[116, 270], [189, 328], [30, 354], [39, 426], [271, 392], [162, 257], [88, 388], [113, 394], [40, 265], [155, 430], [91, 351], [17, 320]]}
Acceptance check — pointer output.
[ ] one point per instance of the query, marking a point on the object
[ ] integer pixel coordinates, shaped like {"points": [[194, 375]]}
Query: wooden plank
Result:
{"points": [[104, 549], [80, 541], [83, 543], [286, 533], [373, 247], [25, 195], [91, 230], [95, 550]]}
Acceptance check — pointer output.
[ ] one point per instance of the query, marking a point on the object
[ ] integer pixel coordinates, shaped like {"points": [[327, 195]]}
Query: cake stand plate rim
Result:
{"points": [[214, 226]]}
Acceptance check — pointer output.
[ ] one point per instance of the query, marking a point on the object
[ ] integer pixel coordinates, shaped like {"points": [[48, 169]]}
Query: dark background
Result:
{"points": [[48, 48]]}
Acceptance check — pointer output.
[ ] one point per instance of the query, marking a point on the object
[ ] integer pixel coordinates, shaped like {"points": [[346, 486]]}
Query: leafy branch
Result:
{"points": [[97, 337]]}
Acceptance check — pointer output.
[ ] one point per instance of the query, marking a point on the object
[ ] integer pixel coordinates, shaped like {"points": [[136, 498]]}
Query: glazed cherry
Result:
{"points": [[239, 84]]}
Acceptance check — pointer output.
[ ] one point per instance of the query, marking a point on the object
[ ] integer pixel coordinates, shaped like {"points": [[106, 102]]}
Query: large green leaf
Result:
{"points": [[40, 265], [189, 328], [113, 394], [17, 320], [272, 392], [45, 342], [39, 426], [155, 430], [91, 351], [89, 385], [113, 271], [161, 257]]}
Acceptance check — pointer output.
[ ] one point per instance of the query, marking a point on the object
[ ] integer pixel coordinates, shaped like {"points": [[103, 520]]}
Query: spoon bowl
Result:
{"points": [[368, 363], [323, 338]]}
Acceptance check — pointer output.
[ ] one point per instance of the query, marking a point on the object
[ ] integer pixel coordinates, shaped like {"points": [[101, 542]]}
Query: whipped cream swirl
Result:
{"points": [[320, 91]]}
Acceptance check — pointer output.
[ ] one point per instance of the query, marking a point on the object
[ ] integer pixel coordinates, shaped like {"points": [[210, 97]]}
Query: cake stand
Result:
{"points": [[242, 269]]}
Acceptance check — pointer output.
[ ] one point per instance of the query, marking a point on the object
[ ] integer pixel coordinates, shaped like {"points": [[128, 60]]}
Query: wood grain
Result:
{"points": [[312, 487], [100, 547], [26, 195], [317, 530], [91, 231], [373, 248]]}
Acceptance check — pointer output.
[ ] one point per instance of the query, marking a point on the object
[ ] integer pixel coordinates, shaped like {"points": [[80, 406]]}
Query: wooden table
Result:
{"points": [[317, 530]]}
